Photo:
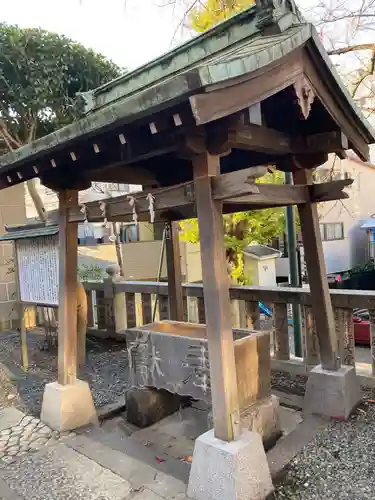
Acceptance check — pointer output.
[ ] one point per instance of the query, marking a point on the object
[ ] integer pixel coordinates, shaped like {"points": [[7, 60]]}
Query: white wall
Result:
{"points": [[267, 272], [344, 254]]}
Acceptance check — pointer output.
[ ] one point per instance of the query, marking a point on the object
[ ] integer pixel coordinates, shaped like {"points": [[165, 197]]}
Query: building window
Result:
{"points": [[331, 231]]}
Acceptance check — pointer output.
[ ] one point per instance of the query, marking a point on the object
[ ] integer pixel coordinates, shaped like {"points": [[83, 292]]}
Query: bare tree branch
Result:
{"points": [[351, 48]]}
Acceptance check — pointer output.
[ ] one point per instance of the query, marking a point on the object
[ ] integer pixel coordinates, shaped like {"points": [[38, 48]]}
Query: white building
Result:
{"points": [[345, 244], [87, 233]]}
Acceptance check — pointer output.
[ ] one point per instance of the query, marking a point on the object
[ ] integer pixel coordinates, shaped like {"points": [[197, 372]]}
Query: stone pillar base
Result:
{"points": [[263, 417], [146, 405], [332, 393], [68, 407], [235, 470]]}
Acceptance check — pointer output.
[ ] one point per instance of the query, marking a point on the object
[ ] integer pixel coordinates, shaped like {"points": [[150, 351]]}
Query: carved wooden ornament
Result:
{"points": [[305, 95]]}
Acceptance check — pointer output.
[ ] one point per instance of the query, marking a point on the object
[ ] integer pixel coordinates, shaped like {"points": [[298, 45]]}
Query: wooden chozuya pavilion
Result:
{"points": [[195, 128]]}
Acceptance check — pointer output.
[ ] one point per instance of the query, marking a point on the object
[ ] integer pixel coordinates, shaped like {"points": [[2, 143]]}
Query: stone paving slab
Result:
{"points": [[60, 473], [10, 417], [22, 433], [141, 475]]}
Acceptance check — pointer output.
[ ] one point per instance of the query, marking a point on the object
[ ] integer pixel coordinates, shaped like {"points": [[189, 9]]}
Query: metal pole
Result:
{"points": [[293, 266], [159, 271]]}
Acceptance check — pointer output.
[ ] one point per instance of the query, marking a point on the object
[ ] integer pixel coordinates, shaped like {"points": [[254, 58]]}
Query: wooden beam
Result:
{"points": [[240, 187], [67, 331], [215, 104], [327, 142], [121, 209], [316, 269], [172, 251], [290, 163], [134, 174], [217, 302], [236, 189], [261, 139], [266, 140], [272, 195]]}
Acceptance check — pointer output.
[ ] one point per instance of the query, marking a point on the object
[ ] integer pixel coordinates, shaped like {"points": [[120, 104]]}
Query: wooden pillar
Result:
{"points": [[316, 269], [172, 247], [217, 301], [67, 333]]}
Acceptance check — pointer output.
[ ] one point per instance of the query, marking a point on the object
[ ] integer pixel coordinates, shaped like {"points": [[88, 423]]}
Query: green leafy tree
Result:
{"points": [[244, 228], [207, 14], [40, 76]]}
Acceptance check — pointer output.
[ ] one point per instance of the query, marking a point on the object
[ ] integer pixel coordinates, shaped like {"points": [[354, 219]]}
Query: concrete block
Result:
{"points": [[263, 417], [68, 407], [145, 406], [235, 470], [332, 393]]}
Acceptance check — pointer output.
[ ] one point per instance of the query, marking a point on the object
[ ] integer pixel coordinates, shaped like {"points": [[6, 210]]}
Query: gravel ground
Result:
{"points": [[292, 384], [105, 370], [339, 464]]}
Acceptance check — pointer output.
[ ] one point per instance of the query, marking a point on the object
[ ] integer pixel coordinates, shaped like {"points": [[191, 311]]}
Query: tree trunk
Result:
{"points": [[37, 200]]}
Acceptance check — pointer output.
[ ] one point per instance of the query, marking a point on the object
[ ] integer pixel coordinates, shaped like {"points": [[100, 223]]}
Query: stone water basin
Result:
{"points": [[173, 356]]}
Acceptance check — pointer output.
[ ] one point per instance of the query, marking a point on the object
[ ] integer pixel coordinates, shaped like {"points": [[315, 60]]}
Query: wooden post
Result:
{"points": [[67, 334], [172, 247], [316, 269], [217, 302], [21, 311], [24, 349]]}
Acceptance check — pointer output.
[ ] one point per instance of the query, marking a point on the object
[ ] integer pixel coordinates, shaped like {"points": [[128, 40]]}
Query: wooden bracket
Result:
{"points": [[332, 190]]}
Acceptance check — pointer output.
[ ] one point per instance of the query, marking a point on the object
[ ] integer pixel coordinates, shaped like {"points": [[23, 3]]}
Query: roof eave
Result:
{"points": [[367, 130]]}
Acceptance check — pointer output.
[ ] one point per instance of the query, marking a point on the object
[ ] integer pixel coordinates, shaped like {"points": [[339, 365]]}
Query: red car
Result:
{"points": [[362, 331]]}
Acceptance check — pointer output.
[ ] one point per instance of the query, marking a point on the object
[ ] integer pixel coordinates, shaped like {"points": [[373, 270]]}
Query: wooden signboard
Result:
{"points": [[38, 270]]}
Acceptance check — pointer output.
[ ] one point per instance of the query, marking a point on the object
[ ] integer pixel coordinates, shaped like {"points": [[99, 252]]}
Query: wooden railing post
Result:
{"points": [[311, 353], [345, 335], [163, 302], [109, 310], [131, 311], [372, 333], [281, 332], [115, 301], [172, 246], [201, 311], [90, 309], [146, 308], [253, 315]]}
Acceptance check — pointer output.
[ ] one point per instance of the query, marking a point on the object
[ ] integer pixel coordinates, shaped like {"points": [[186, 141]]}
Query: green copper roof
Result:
{"points": [[230, 50], [187, 56], [32, 232]]}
